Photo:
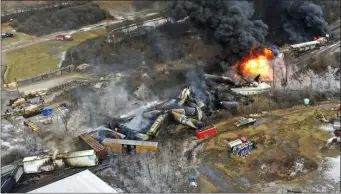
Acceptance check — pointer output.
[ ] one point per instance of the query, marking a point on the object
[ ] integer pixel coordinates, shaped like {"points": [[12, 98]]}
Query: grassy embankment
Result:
{"points": [[41, 57]]}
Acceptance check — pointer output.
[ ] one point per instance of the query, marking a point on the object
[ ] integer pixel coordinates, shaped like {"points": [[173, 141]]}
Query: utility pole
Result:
{"points": [[106, 16], [71, 58], [16, 84], [273, 75], [3, 76]]}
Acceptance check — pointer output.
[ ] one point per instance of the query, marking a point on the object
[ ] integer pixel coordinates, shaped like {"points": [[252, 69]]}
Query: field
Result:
{"points": [[41, 57], [18, 36], [286, 138], [114, 5]]}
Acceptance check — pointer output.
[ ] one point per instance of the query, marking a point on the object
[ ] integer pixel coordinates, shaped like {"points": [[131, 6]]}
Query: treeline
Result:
{"points": [[331, 9], [11, 10], [68, 18]]}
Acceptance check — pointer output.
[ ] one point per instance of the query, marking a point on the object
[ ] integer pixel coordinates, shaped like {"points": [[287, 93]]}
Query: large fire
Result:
{"points": [[256, 63]]}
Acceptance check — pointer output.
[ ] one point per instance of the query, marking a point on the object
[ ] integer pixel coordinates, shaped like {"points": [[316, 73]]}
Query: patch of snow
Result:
{"points": [[119, 17], [333, 169], [150, 14], [86, 28], [327, 127], [7, 144], [298, 167], [62, 58]]}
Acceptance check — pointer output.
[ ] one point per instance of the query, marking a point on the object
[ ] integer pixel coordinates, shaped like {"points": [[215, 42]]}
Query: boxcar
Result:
{"points": [[129, 146]]}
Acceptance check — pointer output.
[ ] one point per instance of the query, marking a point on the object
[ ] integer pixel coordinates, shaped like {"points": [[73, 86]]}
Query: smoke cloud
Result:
{"points": [[232, 23], [293, 21], [229, 22]]}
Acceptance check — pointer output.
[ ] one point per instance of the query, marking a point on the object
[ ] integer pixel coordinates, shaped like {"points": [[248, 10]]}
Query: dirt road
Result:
{"points": [[44, 84]]}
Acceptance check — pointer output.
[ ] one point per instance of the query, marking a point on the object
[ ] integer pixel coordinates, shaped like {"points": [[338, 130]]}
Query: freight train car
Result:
{"points": [[296, 49], [205, 132], [129, 146], [100, 150], [155, 128], [31, 125]]}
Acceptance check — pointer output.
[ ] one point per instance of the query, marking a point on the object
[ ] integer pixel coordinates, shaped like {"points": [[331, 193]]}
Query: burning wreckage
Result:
{"points": [[189, 110]]}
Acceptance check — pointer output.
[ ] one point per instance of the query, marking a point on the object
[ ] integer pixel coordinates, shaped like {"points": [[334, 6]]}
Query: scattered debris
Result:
{"points": [[258, 115], [243, 149], [83, 66], [192, 181], [31, 125], [10, 176], [260, 88], [244, 121], [37, 164]]}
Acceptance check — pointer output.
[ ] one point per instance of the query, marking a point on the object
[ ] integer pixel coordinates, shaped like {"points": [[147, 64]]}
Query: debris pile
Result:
{"points": [[29, 104], [335, 123], [241, 146], [188, 108]]}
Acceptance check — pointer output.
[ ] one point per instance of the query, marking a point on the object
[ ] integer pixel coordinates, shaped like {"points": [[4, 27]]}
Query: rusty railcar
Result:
{"points": [[100, 150], [129, 146]]}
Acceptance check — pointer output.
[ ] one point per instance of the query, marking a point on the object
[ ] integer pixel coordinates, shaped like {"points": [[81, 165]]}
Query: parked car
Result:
{"points": [[7, 35]]}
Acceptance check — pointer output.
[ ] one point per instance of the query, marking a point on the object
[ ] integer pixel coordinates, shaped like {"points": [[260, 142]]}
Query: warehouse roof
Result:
{"points": [[83, 182]]}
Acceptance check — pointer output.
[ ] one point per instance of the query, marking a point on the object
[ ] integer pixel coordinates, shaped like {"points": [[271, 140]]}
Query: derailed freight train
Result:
{"points": [[296, 49]]}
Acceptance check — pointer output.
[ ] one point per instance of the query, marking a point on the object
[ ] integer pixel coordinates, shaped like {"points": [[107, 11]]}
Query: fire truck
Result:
{"points": [[64, 37]]}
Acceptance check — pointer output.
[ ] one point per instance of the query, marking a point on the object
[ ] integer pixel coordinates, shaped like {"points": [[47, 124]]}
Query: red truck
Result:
{"points": [[205, 132], [64, 37]]}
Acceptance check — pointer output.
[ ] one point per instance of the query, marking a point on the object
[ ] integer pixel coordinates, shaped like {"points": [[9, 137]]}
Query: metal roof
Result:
{"points": [[83, 182]]}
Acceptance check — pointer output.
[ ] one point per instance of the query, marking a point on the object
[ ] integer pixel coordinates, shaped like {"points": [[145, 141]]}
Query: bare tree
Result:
{"points": [[4, 7]]}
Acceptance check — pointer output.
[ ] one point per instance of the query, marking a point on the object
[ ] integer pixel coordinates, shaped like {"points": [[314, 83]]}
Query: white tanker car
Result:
{"points": [[296, 49]]}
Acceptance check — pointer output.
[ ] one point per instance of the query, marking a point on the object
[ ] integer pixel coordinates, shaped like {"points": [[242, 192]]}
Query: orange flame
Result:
{"points": [[316, 37], [257, 63]]}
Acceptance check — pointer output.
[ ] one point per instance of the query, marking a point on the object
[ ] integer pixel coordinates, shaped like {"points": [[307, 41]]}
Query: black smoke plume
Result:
{"points": [[229, 22], [292, 21]]}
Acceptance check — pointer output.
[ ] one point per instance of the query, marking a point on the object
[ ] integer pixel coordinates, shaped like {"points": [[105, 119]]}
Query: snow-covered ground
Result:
{"points": [[332, 171], [327, 127]]}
